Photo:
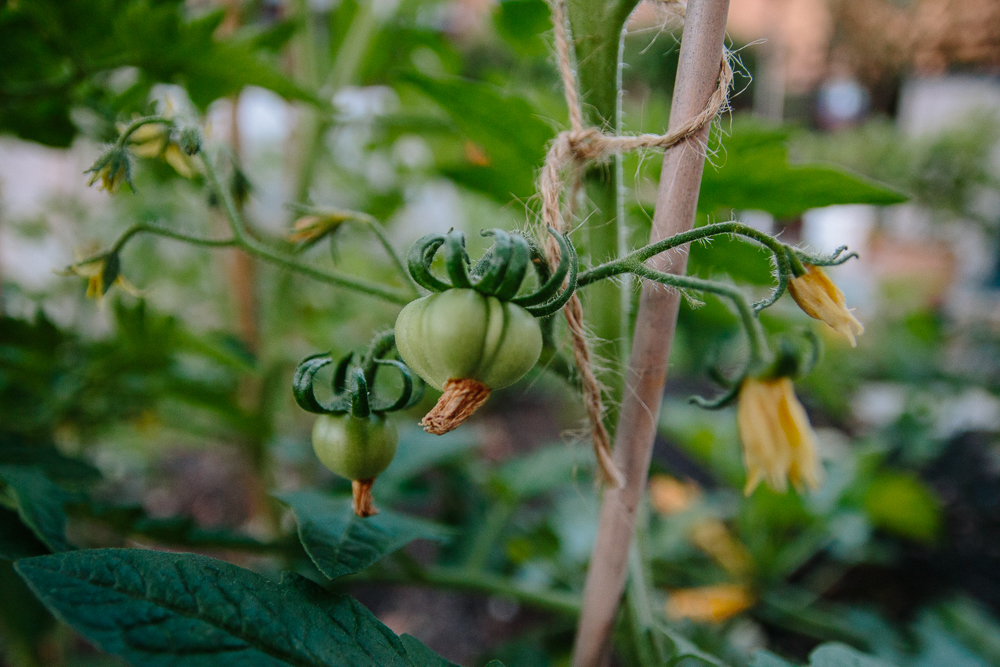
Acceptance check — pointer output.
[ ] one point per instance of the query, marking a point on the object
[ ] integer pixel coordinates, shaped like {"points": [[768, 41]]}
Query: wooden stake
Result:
{"points": [[676, 204]]}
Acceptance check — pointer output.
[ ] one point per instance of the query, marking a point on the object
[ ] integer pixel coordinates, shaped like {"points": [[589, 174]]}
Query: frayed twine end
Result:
{"points": [[460, 399], [610, 474], [362, 501]]}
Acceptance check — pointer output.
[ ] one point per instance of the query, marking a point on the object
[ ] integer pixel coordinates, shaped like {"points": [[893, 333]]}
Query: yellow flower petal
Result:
{"points": [[709, 604], [712, 537], [778, 441], [821, 299], [669, 495], [179, 160]]}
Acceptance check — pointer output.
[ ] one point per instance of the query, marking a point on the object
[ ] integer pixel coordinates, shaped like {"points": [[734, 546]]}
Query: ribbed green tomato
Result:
{"points": [[462, 334], [355, 447]]}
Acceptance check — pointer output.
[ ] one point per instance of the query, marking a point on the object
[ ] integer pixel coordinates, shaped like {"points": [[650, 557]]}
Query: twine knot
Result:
{"points": [[578, 146]]}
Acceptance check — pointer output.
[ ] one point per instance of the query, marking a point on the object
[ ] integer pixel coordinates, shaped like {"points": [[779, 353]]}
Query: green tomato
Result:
{"points": [[462, 334], [355, 447]]}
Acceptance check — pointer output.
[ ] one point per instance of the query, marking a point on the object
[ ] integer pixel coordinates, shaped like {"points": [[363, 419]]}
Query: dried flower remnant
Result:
{"points": [[778, 441], [821, 299]]}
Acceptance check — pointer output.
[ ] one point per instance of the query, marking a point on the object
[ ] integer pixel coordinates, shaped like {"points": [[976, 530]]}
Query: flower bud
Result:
{"points": [[821, 299]]}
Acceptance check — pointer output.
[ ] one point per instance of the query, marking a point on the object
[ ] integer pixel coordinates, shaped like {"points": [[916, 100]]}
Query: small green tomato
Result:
{"points": [[357, 448], [462, 334]]}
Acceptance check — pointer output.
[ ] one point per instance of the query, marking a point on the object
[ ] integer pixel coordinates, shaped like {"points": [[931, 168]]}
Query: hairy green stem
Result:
{"points": [[597, 27], [134, 230], [254, 247], [785, 257], [756, 341], [136, 124]]}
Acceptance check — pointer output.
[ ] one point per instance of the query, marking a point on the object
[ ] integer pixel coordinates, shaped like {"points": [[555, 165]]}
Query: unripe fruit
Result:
{"points": [[462, 334], [357, 448]]}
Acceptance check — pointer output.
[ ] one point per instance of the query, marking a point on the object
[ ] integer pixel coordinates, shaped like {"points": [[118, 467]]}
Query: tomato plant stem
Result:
{"points": [[597, 27], [243, 239]]}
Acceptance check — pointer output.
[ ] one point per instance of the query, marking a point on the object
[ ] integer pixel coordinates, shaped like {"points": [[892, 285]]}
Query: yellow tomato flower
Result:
{"points": [[153, 141], [111, 176], [778, 442], [313, 227], [94, 273], [821, 299], [709, 604]]}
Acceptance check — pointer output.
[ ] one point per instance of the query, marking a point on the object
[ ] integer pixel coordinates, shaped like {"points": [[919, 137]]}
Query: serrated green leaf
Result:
{"points": [[340, 543], [684, 648], [764, 658], [754, 173], [828, 655], [39, 502], [421, 655], [16, 539], [841, 655], [60, 469], [506, 128], [182, 610]]}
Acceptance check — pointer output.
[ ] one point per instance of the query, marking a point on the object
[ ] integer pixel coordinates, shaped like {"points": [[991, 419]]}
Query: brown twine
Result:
{"points": [[577, 146]]}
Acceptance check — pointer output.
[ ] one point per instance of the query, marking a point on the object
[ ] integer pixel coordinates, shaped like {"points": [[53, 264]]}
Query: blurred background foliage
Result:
{"points": [[165, 420]]}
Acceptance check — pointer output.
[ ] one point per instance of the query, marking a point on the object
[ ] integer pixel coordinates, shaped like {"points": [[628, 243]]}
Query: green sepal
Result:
{"points": [[492, 272], [568, 264], [352, 389], [340, 374], [110, 273], [360, 407], [419, 260], [517, 268], [723, 400], [302, 387], [456, 260], [569, 257], [412, 392]]}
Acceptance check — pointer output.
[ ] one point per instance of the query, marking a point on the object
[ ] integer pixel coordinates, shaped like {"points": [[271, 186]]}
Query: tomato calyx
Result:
{"points": [[501, 271], [356, 399]]}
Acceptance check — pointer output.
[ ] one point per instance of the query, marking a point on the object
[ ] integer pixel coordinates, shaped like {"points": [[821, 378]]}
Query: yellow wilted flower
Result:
{"points": [[821, 299], [778, 442], [100, 277], [313, 227], [111, 171], [153, 141], [709, 604]]}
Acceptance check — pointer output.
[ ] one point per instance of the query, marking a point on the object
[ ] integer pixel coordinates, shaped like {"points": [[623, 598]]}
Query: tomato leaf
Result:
{"points": [[39, 502], [506, 137], [179, 610], [340, 543], [754, 173], [16, 539]]}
